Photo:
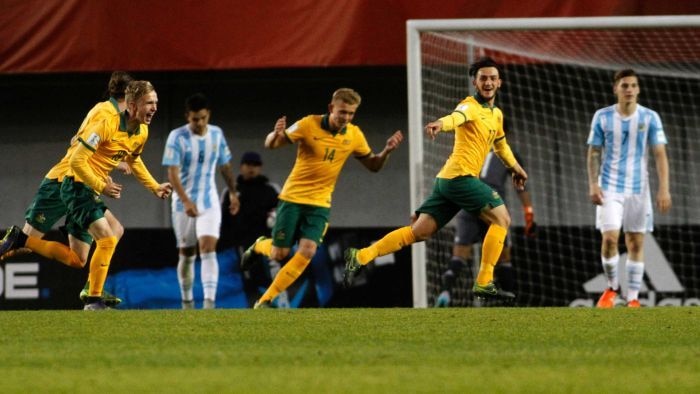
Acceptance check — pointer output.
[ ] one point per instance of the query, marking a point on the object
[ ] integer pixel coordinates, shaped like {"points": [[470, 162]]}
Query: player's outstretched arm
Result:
{"points": [[375, 162], [433, 128], [141, 173], [164, 190], [277, 137]]}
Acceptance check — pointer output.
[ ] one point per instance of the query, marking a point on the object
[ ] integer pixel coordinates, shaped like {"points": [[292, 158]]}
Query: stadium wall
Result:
{"points": [[73, 35]]}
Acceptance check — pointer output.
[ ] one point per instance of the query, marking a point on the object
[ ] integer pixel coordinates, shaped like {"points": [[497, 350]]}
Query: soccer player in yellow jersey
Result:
{"points": [[478, 127], [325, 142], [47, 207], [104, 142]]}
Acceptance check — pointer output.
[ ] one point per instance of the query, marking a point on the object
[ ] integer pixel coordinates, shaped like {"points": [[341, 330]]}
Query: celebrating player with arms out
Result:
{"points": [[478, 127], [325, 144]]}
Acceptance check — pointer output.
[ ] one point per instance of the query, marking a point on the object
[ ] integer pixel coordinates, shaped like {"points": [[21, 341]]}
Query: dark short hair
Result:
{"points": [[483, 63], [118, 82], [624, 73], [196, 102]]}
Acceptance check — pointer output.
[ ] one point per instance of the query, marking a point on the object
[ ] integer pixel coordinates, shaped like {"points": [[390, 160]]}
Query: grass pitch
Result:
{"points": [[505, 350]]}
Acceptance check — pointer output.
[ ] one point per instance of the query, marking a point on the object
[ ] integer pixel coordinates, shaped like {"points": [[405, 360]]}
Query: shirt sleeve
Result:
{"points": [[296, 131], [224, 152], [172, 155], [80, 167], [596, 136], [502, 149], [362, 148], [142, 174], [656, 130], [96, 131], [457, 117]]}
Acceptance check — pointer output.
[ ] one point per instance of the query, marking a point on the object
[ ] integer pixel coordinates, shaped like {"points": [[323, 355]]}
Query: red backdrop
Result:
{"points": [[100, 35]]}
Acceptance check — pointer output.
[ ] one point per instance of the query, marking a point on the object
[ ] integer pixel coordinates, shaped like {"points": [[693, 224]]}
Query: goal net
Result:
{"points": [[556, 73]]}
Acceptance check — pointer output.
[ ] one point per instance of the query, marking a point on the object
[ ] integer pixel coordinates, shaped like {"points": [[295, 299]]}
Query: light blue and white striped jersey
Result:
{"points": [[198, 158], [625, 143]]}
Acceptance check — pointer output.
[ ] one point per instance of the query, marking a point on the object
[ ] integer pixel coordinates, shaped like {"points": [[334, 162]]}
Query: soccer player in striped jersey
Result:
{"points": [[47, 207], [478, 127], [192, 154], [325, 142], [618, 181]]}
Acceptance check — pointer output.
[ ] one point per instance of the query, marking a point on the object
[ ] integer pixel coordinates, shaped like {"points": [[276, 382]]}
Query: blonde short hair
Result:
{"points": [[137, 89], [347, 95]]}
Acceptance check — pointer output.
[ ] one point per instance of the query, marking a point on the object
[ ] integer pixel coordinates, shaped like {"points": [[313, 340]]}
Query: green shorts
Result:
{"points": [[451, 195], [296, 221], [84, 206], [47, 208]]}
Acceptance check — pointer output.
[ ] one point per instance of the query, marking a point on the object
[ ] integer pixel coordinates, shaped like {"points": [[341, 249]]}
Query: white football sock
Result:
{"points": [[610, 270], [635, 274], [210, 275], [185, 276]]}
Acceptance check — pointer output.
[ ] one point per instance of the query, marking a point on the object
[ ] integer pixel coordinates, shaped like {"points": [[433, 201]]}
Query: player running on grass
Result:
{"points": [[325, 144], [104, 142], [478, 128], [47, 207]]}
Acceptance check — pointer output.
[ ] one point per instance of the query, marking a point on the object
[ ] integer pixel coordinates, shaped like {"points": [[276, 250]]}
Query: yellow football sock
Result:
{"points": [[286, 276], [391, 242], [54, 251], [99, 264], [490, 252], [264, 247]]}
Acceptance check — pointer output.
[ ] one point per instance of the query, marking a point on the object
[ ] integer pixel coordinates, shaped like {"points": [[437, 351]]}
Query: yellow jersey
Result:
{"points": [[478, 129], [101, 109], [109, 143], [321, 155]]}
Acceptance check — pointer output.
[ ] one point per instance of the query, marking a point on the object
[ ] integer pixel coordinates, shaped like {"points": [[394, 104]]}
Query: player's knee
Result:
{"points": [[82, 259], [279, 254], [307, 249], [634, 248], [118, 230], [498, 217], [609, 241], [503, 220], [424, 228], [207, 244]]}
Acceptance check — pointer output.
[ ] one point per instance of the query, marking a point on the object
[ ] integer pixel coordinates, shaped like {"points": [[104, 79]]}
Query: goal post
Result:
{"points": [[557, 72]]}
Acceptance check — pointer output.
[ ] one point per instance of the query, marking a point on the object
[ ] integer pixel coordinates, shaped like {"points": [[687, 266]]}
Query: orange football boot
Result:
{"points": [[607, 300], [633, 304]]}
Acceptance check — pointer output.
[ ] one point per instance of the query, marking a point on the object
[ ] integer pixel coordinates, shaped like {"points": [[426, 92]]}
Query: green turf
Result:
{"points": [[481, 350]]}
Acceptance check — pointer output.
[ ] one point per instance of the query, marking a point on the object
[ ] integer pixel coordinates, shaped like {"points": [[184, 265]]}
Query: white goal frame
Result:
{"points": [[415, 91]]}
